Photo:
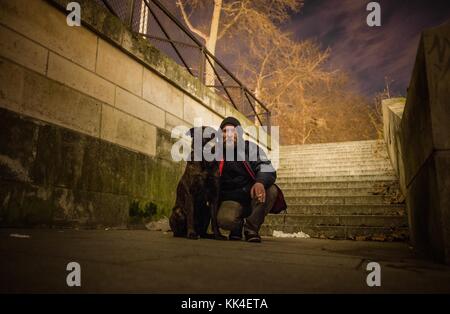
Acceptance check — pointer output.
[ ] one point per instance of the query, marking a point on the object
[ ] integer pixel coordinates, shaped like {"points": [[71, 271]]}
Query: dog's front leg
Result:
{"points": [[191, 234], [214, 205]]}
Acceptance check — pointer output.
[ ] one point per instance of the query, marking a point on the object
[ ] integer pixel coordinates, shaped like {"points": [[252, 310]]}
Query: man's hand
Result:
{"points": [[258, 192]]}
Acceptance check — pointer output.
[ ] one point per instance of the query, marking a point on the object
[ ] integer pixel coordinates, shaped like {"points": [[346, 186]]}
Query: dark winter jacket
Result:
{"points": [[236, 182]]}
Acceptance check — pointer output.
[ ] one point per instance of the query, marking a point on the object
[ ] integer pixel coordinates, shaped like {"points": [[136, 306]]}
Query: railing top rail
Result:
{"points": [[200, 45], [207, 55]]}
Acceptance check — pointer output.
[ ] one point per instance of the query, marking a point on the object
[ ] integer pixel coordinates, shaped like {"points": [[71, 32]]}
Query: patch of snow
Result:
{"points": [[281, 234], [22, 236], [160, 225]]}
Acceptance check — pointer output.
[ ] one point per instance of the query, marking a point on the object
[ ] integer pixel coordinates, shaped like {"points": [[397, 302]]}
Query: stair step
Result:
{"points": [[342, 232], [355, 209], [339, 200], [338, 184], [331, 149], [339, 190], [332, 162], [331, 167], [318, 172], [375, 145], [368, 152], [337, 220], [289, 192], [329, 158], [323, 167], [329, 163], [342, 178]]}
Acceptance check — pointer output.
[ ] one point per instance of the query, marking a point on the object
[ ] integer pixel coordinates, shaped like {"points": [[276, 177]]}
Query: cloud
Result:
{"points": [[370, 54]]}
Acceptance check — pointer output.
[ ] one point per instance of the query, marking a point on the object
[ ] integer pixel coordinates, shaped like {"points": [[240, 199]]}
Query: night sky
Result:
{"points": [[369, 54]]}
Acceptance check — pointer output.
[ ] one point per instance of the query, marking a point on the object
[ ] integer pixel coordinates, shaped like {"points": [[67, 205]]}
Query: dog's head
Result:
{"points": [[207, 136], [206, 133]]}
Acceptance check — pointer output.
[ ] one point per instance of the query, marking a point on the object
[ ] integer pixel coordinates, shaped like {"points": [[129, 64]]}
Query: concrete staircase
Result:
{"points": [[339, 190]]}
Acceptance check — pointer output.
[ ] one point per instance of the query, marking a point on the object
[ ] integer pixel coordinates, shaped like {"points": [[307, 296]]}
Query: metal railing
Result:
{"points": [[152, 20]]}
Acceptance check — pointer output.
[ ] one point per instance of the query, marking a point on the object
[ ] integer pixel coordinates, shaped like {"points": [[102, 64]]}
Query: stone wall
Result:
{"points": [[86, 116], [419, 144], [392, 117]]}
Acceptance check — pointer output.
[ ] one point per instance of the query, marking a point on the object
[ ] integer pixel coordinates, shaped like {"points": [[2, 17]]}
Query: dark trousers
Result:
{"points": [[233, 216]]}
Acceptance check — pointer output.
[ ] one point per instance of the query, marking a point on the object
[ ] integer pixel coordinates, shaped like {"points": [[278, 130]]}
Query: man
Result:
{"points": [[244, 201]]}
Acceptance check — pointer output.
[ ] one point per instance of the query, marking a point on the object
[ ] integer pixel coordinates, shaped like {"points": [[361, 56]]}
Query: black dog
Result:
{"points": [[197, 199]]}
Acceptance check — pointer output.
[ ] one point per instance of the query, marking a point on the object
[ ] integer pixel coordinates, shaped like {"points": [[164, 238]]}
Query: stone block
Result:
{"points": [[216, 120], [70, 74], [53, 102], [23, 51], [27, 92], [425, 220], [164, 144], [115, 66], [162, 94], [194, 110], [18, 143], [108, 168], [442, 164], [11, 85], [415, 129], [139, 108], [125, 130], [44, 24], [437, 58], [59, 157], [172, 121], [392, 117]]}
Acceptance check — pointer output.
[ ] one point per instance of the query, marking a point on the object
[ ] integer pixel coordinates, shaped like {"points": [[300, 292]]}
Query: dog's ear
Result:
{"points": [[191, 132]]}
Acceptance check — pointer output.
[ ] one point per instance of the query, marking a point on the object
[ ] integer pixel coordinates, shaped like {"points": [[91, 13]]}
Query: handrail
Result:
{"points": [[207, 58]]}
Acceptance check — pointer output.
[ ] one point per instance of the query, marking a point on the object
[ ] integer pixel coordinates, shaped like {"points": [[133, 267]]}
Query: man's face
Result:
{"points": [[229, 134]]}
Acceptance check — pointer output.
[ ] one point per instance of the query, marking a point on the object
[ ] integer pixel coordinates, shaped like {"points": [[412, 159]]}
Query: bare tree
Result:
{"points": [[231, 15], [281, 70], [308, 99], [376, 114], [342, 110]]}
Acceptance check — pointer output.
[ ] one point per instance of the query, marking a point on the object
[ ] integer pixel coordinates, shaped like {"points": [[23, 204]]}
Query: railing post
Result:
{"points": [[130, 13], [201, 66], [207, 59]]}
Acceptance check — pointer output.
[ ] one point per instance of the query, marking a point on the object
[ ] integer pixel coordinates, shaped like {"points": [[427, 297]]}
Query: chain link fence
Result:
{"points": [[164, 30]]}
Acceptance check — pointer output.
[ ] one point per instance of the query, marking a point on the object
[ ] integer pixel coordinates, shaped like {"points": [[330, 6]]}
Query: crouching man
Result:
{"points": [[247, 185]]}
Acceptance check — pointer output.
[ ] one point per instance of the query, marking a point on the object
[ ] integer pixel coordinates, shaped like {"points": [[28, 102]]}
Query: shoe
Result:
{"points": [[232, 237], [236, 234], [252, 237]]}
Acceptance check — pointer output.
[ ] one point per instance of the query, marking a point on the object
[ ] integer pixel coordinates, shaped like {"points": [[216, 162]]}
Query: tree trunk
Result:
{"points": [[302, 103], [212, 41]]}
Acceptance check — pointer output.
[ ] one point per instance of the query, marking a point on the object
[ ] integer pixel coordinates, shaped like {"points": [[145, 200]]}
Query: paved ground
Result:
{"points": [[150, 261]]}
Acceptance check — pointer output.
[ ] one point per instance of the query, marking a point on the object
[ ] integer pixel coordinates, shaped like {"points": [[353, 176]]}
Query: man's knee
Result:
{"points": [[271, 193], [229, 215]]}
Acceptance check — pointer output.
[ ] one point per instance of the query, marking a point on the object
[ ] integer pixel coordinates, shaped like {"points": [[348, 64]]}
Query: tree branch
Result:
{"points": [[188, 22], [232, 22]]}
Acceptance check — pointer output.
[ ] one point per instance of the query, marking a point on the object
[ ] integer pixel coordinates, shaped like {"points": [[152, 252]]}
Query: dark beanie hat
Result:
{"points": [[230, 121]]}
